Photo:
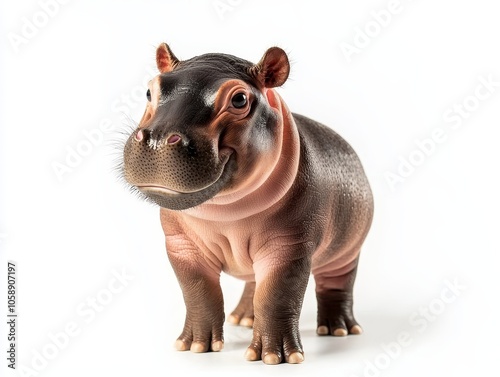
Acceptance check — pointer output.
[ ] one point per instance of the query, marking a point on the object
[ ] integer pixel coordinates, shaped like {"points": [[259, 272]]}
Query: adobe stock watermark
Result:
{"points": [[419, 321], [454, 117], [86, 311], [93, 138], [33, 25], [222, 7], [75, 154], [364, 35]]}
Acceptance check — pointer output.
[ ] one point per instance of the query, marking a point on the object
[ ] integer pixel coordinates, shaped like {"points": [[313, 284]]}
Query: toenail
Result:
{"points": [[296, 358], [251, 355], [180, 345], [340, 332], [271, 359], [197, 347], [356, 329]]}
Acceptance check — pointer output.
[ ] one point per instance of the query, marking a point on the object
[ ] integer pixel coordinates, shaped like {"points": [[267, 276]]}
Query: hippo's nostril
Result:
{"points": [[173, 139], [139, 136]]}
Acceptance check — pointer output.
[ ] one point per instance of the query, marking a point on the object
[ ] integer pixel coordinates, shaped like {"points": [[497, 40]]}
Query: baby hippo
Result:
{"points": [[251, 189]]}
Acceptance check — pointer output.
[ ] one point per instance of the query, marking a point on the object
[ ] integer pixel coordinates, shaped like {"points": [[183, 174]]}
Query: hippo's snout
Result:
{"points": [[171, 139], [174, 170]]}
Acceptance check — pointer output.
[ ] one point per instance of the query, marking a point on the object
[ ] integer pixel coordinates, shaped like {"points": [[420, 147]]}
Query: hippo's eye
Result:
{"points": [[148, 95], [239, 100]]}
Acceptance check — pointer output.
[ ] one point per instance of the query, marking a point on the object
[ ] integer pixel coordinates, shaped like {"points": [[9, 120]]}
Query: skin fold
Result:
{"points": [[251, 189]]}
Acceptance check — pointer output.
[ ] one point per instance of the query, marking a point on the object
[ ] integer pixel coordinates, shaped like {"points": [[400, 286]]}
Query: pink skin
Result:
{"points": [[294, 199], [231, 231], [200, 225], [238, 229], [259, 191]]}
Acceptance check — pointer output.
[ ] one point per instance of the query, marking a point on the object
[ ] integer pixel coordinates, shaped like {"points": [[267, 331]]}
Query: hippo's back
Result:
{"points": [[332, 173]]}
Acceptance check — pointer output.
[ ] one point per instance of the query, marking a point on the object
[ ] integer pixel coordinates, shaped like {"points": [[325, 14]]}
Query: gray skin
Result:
{"points": [[248, 188]]}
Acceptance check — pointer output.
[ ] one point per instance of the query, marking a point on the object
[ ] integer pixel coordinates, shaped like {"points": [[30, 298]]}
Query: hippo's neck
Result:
{"points": [[238, 205]]}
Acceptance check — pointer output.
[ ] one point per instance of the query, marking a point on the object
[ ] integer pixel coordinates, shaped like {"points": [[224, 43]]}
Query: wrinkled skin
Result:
{"points": [[248, 188]]}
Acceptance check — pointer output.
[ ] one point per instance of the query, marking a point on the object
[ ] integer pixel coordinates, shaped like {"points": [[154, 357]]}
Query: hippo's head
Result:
{"points": [[208, 128]]}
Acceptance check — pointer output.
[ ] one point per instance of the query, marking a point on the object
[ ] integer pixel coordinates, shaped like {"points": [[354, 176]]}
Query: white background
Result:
{"points": [[438, 225]]}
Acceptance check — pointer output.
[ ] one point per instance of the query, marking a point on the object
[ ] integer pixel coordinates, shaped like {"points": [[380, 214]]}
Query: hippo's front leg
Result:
{"points": [[200, 286], [280, 289]]}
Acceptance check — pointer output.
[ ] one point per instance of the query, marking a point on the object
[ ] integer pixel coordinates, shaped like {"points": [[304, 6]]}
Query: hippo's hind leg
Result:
{"points": [[334, 294], [243, 314]]}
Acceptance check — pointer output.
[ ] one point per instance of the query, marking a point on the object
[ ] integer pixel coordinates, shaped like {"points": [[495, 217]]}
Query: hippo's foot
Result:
{"points": [[335, 315], [275, 343], [200, 337], [243, 314]]}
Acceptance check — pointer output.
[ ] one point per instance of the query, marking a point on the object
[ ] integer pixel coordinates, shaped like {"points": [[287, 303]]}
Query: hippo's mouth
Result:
{"points": [[177, 200], [159, 190]]}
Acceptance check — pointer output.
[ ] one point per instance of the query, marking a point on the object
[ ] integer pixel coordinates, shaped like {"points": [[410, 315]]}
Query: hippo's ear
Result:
{"points": [[273, 68], [165, 58]]}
